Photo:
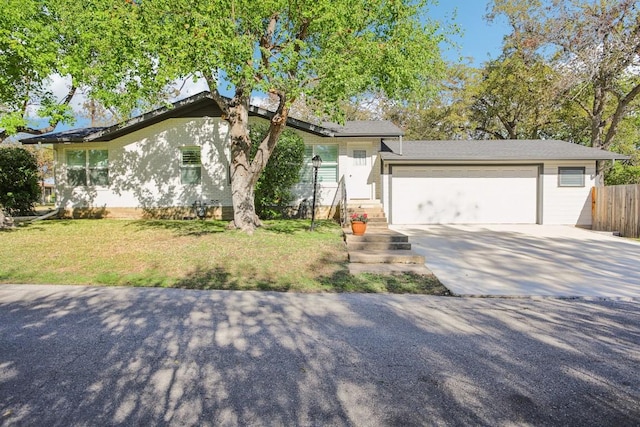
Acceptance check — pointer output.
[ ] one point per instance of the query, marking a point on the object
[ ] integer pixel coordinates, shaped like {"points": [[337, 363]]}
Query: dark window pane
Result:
{"points": [[76, 177], [98, 158], [76, 158]]}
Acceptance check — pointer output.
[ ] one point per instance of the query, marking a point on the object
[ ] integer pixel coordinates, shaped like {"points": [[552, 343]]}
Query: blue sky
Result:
{"points": [[479, 39]]}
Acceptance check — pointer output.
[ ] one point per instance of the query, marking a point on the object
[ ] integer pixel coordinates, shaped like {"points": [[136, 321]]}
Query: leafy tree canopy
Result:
{"points": [[30, 53], [323, 50], [595, 45]]}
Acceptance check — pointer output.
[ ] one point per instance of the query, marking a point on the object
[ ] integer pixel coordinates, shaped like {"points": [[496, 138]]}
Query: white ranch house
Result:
{"points": [[159, 164]]}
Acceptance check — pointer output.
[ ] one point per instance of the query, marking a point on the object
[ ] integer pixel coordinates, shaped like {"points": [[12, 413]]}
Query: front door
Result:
{"points": [[358, 186]]}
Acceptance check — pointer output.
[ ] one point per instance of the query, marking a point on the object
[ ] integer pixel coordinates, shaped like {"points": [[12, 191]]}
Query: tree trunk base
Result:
{"points": [[5, 220], [248, 227]]}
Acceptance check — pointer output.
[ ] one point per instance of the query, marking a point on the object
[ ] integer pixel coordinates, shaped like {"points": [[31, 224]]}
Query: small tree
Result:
{"points": [[19, 188], [273, 191]]}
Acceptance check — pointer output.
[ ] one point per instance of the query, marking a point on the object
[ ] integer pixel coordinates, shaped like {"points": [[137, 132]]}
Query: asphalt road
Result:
{"points": [[82, 356]]}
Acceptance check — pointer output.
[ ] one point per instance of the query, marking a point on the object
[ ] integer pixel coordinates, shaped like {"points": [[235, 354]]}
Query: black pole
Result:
{"points": [[313, 205]]}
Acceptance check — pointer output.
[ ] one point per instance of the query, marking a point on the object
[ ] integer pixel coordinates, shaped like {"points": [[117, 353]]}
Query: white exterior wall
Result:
{"points": [[385, 185], [327, 191], [559, 205], [144, 168], [567, 205]]}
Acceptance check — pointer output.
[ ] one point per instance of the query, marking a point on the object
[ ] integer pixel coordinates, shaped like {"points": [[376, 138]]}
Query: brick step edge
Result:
{"points": [[380, 246], [389, 237], [386, 257]]}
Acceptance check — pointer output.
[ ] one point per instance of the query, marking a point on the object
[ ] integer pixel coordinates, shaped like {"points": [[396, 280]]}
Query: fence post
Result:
{"points": [[594, 219]]}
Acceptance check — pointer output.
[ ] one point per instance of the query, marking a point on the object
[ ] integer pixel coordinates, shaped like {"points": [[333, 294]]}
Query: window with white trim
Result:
{"points": [[359, 157], [328, 171], [87, 167], [190, 165], [570, 177]]}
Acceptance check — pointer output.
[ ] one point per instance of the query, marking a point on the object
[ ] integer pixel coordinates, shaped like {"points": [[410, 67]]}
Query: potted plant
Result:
{"points": [[359, 223]]}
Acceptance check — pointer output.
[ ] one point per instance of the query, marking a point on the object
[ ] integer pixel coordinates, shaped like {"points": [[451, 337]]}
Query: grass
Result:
{"points": [[283, 256]]}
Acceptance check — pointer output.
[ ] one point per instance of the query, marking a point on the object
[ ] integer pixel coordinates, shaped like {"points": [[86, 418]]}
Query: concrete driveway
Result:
{"points": [[529, 260]]}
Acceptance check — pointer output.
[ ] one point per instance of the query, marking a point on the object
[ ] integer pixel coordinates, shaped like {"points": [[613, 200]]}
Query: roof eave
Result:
{"points": [[117, 130], [399, 158], [368, 135]]}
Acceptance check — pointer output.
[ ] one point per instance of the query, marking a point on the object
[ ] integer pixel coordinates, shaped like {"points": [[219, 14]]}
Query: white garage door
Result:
{"points": [[464, 195]]}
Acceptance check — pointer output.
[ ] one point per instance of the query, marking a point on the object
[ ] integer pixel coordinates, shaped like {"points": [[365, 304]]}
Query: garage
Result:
{"points": [[479, 194]]}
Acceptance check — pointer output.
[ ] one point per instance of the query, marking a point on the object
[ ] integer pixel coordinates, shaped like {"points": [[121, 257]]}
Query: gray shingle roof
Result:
{"points": [[491, 150], [381, 128]]}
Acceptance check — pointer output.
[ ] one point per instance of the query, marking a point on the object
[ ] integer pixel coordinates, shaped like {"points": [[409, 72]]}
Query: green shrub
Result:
{"points": [[273, 190], [19, 182], [621, 174]]}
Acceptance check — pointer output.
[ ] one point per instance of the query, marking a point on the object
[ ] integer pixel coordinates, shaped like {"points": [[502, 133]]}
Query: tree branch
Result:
{"points": [[266, 40], [52, 124], [489, 132], [215, 94], [618, 115]]}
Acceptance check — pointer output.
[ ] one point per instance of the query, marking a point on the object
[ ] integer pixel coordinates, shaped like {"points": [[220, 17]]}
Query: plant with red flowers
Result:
{"points": [[359, 217]]}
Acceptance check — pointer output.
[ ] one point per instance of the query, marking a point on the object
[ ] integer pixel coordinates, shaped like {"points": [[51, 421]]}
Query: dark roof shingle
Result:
{"points": [[381, 128]]}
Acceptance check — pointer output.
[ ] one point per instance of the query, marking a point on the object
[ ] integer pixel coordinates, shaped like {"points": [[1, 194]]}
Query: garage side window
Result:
{"points": [[570, 177], [190, 165]]}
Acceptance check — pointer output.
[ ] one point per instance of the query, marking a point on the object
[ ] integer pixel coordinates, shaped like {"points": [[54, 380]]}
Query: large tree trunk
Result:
{"points": [[246, 171], [242, 176]]}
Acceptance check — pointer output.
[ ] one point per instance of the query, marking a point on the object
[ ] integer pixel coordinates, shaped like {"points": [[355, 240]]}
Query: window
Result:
{"points": [[190, 166], [87, 167], [359, 157], [328, 171], [570, 177]]}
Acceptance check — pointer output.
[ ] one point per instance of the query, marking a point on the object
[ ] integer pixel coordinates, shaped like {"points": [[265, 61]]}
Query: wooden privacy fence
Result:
{"points": [[617, 208]]}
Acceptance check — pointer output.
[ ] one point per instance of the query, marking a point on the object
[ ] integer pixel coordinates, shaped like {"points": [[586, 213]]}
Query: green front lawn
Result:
{"points": [[283, 256]]}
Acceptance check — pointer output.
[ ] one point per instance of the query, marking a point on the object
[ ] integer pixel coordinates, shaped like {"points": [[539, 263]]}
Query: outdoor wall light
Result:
{"points": [[316, 161], [200, 209]]}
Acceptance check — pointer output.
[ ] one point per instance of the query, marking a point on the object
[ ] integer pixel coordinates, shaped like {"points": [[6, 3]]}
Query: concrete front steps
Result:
{"points": [[380, 250]]}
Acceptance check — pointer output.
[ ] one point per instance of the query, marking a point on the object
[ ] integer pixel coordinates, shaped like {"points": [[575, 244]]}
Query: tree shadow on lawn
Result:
{"points": [[183, 227], [36, 225], [202, 227], [292, 226], [220, 279], [396, 283], [341, 280]]}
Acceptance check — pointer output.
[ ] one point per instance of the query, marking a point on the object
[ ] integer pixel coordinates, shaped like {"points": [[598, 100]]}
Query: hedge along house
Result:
{"points": [[158, 164]]}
